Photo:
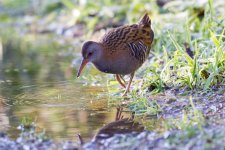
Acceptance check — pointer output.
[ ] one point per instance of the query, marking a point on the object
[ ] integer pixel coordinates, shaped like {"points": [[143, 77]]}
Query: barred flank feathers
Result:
{"points": [[138, 50], [145, 21]]}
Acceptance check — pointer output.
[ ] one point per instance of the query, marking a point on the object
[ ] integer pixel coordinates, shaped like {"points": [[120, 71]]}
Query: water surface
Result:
{"points": [[38, 82]]}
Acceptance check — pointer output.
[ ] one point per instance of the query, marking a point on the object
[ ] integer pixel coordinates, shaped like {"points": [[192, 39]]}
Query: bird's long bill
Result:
{"points": [[83, 63]]}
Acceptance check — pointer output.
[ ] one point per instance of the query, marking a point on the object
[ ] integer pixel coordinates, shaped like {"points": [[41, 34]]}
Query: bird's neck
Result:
{"points": [[102, 63]]}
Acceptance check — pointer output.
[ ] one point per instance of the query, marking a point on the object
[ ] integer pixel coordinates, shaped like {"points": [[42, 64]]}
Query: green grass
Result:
{"points": [[141, 105], [189, 120], [29, 130], [174, 67], [27, 122]]}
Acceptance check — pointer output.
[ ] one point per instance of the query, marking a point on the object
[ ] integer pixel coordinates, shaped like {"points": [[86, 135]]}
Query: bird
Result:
{"points": [[120, 51]]}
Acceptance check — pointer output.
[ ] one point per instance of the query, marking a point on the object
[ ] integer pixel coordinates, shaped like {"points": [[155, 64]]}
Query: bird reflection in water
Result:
{"points": [[120, 125]]}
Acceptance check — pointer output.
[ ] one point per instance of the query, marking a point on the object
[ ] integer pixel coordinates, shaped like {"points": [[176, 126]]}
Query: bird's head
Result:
{"points": [[91, 51]]}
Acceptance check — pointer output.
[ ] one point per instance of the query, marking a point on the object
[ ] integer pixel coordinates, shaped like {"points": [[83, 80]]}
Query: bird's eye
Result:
{"points": [[89, 54]]}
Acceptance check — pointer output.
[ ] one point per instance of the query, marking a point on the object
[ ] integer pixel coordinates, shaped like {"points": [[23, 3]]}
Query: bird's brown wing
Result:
{"points": [[116, 38], [135, 38]]}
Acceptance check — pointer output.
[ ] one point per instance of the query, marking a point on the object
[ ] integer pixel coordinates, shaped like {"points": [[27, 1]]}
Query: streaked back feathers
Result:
{"points": [[136, 38]]}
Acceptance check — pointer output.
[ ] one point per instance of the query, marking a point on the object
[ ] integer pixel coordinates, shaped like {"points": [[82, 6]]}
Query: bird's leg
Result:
{"points": [[120, 82], [121, 77], [80, 139], [129, 83], [119, 114]]}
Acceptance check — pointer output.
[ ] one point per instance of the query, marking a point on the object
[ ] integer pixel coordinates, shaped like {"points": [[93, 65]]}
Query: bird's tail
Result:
{"points": [[145, 21]]}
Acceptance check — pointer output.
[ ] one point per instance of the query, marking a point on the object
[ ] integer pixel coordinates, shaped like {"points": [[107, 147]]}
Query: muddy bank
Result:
{"points": [[173, 103], [35, 143], [208, 137]]}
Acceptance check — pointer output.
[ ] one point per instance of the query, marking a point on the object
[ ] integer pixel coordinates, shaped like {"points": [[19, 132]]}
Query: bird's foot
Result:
{"points": [[125, 93]]}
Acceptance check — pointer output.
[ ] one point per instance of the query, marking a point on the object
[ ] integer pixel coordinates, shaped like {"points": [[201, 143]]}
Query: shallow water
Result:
{"points": [[38, 83], [63, 112]]}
